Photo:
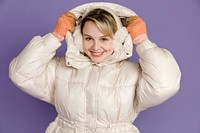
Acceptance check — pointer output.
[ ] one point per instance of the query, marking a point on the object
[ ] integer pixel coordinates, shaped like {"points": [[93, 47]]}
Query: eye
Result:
{"points": [[104, 39], [88, 38]]}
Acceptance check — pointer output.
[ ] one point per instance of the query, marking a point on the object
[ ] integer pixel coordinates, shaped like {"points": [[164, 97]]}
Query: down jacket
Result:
{"points": [[96, 98]]}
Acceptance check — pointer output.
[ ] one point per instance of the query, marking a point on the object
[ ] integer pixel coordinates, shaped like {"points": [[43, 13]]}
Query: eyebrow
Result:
{"points": [[86, 35], [91, 36]]}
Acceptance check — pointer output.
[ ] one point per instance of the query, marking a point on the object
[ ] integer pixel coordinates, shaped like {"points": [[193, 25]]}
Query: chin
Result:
{"points": [[97, 61]]}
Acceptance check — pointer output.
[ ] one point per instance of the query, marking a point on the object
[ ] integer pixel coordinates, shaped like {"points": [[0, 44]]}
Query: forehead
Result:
{"points": [[90, 28]]}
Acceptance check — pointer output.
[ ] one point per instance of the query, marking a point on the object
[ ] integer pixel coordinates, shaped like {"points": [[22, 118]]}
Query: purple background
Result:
{"points": [[172, 24]]}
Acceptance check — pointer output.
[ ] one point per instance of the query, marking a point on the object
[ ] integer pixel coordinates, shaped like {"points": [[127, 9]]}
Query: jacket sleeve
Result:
{"points": [[159, 78], [33, 70]]}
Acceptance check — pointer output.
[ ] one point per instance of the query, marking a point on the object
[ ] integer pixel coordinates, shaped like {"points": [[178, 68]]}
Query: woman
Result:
{"points": [[94, 88]]}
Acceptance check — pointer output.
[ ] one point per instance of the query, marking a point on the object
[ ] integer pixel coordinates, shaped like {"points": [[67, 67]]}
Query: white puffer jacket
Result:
{"points": [[96, 98]]}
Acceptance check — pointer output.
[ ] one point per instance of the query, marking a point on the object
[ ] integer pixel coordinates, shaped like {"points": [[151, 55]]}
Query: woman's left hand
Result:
{"points": [[137, 29]]}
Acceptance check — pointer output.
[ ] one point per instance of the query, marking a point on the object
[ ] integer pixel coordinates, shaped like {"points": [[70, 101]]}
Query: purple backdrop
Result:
{"points": [[173, 24]]}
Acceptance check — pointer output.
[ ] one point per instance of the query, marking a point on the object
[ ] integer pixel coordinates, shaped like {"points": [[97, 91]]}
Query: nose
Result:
{"points": [[96, 45]]}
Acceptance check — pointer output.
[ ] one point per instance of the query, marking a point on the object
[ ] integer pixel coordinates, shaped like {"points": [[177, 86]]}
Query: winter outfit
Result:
{"points": [[93, 97]]}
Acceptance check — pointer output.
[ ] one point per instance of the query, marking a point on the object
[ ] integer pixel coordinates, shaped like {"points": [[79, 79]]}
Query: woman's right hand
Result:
{"points": [[65, 23]]}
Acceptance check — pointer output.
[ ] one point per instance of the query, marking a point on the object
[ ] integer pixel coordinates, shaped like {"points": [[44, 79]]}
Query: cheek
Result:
{"points": [[85, 45], [109, 46]]}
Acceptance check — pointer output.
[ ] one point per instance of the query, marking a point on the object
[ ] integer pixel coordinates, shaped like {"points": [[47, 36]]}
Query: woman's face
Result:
{"points": [[95, 44]]}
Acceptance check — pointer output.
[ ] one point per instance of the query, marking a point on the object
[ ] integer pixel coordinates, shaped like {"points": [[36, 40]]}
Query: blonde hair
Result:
{"points": [[103, 19]]}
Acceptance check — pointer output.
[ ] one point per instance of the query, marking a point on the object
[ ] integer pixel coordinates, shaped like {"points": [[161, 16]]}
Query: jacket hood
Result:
{"points": [[122, 41]]}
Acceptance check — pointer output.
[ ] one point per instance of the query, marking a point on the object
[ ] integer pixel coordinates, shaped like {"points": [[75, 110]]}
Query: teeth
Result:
{"points": [[96, 53]]}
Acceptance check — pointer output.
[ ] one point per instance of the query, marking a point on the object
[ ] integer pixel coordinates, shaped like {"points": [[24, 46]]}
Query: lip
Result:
{"points": [[96, 54]]}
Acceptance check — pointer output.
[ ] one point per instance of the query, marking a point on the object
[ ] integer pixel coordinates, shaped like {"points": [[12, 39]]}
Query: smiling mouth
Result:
{"points": [[97, 54]]}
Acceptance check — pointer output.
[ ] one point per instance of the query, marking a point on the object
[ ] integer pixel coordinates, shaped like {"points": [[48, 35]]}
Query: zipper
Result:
{"points": [[91, 93]]}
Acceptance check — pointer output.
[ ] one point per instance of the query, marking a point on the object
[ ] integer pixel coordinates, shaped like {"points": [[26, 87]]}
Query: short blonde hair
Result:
{"points": [[103, 19]]}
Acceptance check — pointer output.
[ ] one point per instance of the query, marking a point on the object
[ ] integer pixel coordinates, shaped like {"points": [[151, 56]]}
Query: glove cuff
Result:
{"points": [[60, 38], [141, 38]]}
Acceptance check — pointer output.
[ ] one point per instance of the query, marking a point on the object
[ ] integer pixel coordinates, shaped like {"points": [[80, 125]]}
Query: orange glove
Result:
{"points": [[137, 29], [65, 23]]}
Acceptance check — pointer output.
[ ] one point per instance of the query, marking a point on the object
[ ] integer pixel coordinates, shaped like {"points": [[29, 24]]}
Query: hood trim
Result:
{"points": [[122, 41]]}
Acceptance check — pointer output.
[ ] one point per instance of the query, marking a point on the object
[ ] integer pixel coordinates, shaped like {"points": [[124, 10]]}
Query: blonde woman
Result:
{"points": [[94, 88]]}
